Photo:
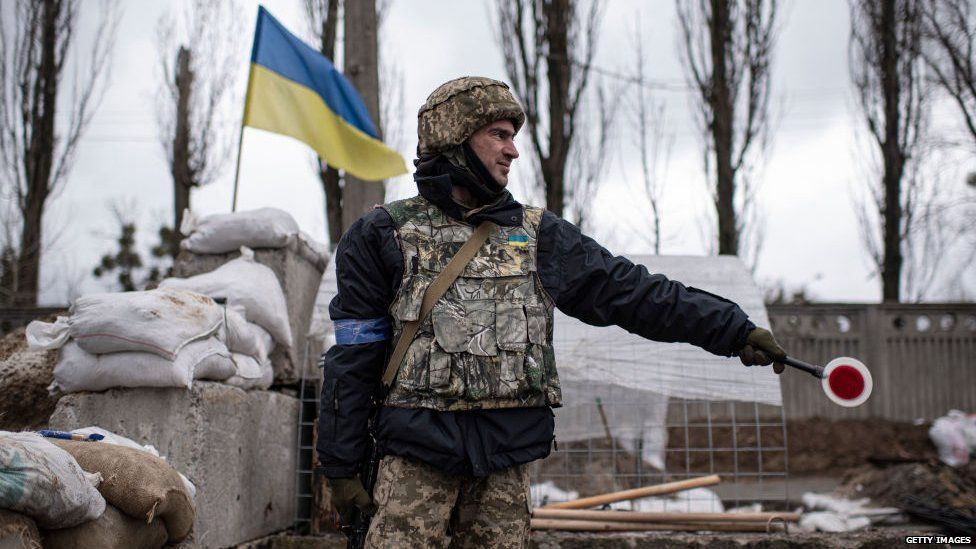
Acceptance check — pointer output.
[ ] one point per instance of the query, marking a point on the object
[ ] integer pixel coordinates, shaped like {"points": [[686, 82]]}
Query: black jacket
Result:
{"points": [[583, 279]]}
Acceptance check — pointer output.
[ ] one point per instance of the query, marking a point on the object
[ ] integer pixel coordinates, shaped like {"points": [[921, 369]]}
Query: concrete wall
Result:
{"points": [[239, 449]]}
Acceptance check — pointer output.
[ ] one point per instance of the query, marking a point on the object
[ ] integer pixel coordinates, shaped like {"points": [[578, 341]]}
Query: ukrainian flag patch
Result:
{"points": [[518, 240]]}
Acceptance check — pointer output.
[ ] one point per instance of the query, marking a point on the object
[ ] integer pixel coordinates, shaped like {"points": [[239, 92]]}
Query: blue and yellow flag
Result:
{"points": [[294, 90]]}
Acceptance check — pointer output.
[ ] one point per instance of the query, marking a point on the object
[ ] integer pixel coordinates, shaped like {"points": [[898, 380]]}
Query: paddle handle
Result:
{"points": [[815, 371]]}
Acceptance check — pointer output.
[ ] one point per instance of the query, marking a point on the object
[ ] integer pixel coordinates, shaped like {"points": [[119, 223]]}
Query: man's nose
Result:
{"points": [[510, 151]]}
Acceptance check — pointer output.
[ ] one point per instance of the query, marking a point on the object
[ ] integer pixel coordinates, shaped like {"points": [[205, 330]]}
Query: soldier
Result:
{"points": [[470, 405]]}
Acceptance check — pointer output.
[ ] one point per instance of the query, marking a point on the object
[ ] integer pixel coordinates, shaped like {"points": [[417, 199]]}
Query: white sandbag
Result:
{"points": [[838, 514], [548, 492], [217, 366], [319, 249], [111, 438], [78, 370], [246, 283], [222, 233], [44, 336], [954, 435], [245, 337], [44, 482], [158, 321], [251, 374], [828, 521]]}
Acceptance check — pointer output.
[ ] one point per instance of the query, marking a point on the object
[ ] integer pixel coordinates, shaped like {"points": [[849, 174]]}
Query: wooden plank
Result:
{"points": [[646, 516], [645, 491]]}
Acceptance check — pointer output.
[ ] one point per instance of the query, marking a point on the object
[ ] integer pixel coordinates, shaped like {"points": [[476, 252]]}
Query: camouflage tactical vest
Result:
{"points": [[488, 341]]}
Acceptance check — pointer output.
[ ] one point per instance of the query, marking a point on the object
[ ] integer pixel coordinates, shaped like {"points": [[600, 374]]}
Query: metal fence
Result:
{"points": [[922, 356]]}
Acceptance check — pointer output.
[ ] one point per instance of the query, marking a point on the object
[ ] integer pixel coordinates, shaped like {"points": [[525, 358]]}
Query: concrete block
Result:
{"points": [[238, 447], [299, 270]]}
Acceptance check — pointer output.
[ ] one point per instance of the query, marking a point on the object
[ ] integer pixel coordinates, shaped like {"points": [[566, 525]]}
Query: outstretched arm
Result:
{"points": [[588, 282]]}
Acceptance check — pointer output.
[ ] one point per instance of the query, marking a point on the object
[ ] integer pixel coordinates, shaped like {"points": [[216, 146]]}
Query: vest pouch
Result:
{"points": [[535, 368], [407, 307], [465, 326], [537, 322], [439, 376], [413, 370], [511, 372], [511, 326]]}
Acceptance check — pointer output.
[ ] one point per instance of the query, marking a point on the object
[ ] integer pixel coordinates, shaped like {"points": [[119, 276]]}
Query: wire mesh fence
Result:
{"points": [[744, 443]]}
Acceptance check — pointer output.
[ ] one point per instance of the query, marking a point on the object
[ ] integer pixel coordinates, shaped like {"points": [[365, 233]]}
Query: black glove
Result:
{"points": [[761, 349], [348, 494]]}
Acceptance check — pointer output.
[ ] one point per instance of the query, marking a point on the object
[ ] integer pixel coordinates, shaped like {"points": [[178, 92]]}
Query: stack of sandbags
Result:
{"points": [[18, 531], [45, 484], [257, 314], [159, 338], [108, 437], [148, 505]]}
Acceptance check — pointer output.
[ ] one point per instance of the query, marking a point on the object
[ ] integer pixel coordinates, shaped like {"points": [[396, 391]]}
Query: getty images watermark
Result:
{"points": [[938, 539]]}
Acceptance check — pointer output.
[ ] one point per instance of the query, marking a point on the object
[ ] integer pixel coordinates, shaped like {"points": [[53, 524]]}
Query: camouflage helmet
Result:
{"points": [[457, 108]]}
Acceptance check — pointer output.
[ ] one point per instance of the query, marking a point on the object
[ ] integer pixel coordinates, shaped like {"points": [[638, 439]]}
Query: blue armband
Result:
{"points": [[354, 331]]}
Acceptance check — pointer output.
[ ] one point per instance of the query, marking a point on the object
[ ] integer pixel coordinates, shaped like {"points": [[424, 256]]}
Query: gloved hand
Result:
{"points": [[348, 494], [761, 349]]}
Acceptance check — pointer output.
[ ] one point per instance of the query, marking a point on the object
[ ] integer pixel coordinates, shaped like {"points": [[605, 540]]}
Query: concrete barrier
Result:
{"points": [[239, 449], [299, 270]]}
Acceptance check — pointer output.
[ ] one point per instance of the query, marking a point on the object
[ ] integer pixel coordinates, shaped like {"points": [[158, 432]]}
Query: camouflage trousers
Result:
{"points": [[421, 506]]}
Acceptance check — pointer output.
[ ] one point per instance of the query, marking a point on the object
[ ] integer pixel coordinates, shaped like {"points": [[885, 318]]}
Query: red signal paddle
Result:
{"points": [[845, 380]]}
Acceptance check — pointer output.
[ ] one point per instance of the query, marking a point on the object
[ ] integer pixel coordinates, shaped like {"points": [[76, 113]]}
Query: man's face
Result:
{"points": [[495, 146]]}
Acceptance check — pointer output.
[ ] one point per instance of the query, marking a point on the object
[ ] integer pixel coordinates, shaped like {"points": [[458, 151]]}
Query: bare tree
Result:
{"points": [[36, 40], [950, 53], [654, 146], [199, 57], [727, 48], [886, 69], [548, 46], [590, 152]]}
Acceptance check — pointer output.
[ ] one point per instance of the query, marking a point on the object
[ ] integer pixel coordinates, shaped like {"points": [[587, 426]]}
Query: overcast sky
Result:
{"points": [[811, 174]]}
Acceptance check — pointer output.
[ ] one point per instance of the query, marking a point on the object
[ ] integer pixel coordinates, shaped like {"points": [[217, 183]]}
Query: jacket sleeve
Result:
{"points": [[589, 283], [369, 267]]}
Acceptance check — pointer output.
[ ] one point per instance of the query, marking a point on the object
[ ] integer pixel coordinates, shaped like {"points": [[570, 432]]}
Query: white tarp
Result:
{"points": [[613, 356]]}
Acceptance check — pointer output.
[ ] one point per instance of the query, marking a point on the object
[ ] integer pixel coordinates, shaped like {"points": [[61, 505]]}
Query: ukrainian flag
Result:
{"points": [[294, 90]]}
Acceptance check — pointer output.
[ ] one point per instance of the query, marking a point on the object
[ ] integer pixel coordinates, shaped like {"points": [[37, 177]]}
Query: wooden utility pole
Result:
{"points": [[183, 178], [361, 67], [331, 182]]}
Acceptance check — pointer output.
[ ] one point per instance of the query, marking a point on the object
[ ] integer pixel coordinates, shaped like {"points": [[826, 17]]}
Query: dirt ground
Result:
{"points": [[24, 377], [816, 447]]}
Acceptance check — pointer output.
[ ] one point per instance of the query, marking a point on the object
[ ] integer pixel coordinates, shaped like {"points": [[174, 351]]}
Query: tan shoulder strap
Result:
{"points": [[434, 292]]}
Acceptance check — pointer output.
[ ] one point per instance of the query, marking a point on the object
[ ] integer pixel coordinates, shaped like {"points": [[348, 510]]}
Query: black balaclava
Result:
{"points": [[466, 170]]}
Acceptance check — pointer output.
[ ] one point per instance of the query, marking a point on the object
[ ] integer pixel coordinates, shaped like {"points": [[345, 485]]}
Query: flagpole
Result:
{"points": [[240, 140], [237, 169]]}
